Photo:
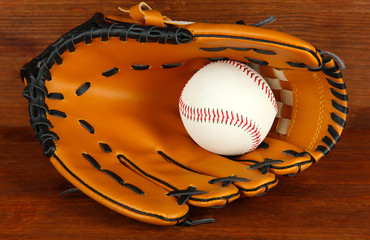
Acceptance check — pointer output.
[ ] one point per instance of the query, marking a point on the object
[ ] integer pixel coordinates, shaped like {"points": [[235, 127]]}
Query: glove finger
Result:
{"points": [[251, 182], [118, 187], [191, 186], [278, 156]]}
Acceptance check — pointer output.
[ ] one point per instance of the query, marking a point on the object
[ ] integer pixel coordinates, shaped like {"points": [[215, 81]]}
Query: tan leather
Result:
{"points": [[144, 14], [135, 113]]}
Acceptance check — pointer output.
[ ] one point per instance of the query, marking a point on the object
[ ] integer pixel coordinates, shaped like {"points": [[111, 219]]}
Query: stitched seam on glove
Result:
{"points": [[113, 201], [321, 112]]}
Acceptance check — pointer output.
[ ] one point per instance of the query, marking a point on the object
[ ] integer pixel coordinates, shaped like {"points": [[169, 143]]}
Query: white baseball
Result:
{"points": [[227, 108]]}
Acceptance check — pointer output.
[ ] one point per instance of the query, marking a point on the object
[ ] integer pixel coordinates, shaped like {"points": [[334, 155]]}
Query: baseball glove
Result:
{"points": [[103, 102]]}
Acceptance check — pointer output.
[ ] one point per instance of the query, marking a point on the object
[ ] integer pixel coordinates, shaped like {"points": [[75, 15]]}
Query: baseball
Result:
{"points": [[227, 108]]}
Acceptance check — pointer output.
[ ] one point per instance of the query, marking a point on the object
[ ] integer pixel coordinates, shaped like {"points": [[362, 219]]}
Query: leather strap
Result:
{"points": [[144, 14]]}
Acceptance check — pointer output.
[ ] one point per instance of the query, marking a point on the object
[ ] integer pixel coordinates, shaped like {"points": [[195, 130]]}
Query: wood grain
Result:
{"points": [[331, 200]]}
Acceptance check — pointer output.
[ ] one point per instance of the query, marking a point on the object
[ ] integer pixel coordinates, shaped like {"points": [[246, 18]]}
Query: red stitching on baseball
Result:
{"points": [[249, 126], [241, 120], [256, 78], [201, 116]]}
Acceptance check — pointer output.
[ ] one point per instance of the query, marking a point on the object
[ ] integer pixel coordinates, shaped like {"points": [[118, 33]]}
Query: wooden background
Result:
{"points": [[331, 200]]}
